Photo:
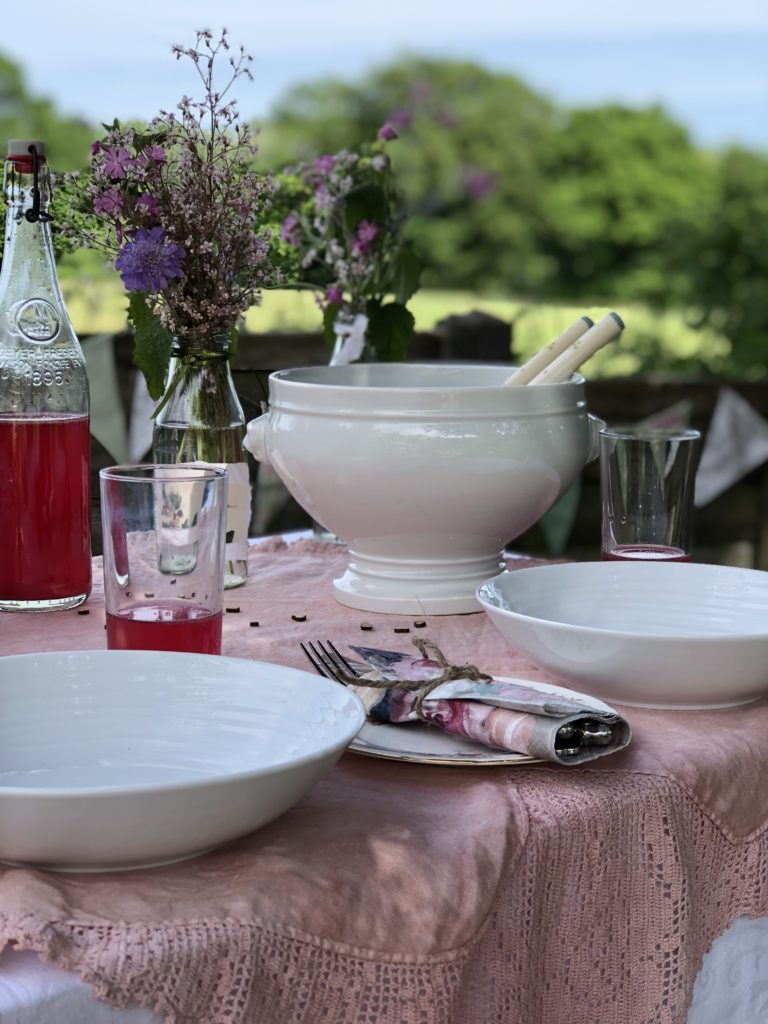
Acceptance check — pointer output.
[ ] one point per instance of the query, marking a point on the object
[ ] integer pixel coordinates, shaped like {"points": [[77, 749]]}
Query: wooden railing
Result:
{"points": [[732, 529]]}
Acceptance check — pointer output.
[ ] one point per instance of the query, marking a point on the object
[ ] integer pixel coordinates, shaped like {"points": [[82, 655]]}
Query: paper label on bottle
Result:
{"points": [[238, 509]]}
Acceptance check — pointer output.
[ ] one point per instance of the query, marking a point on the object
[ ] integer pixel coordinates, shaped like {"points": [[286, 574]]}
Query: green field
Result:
{"points": [[651, 341]]}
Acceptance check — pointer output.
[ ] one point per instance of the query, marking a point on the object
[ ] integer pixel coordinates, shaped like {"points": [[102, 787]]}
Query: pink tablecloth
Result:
{"points": [[402, 894]]}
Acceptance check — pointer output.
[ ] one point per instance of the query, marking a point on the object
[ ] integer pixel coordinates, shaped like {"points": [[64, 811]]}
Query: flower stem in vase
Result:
{"points": [[200, 419]]}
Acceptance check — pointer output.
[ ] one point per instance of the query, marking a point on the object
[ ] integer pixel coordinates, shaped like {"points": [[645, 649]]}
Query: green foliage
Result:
{"points": [[390, 329], [726, 261], [152, 351], [330, 313], [616, 180]]}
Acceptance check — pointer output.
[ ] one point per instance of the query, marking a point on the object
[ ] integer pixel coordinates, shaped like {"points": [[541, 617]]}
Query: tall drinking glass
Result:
{"points": [[164, 531], [647, 480]]}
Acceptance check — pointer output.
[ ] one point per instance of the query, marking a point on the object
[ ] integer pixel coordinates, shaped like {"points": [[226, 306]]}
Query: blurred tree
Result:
{"points": [[617, 180], [469, 163], [725, 283], [23, 116]]}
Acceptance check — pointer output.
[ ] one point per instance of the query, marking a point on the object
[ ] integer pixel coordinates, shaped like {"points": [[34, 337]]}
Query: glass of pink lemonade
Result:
{"points": [[647, 477], [164, 531]]}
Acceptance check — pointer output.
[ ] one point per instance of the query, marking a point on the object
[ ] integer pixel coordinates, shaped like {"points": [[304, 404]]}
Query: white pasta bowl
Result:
{"points": [[675, 636], [426, 471], [122, 759]]}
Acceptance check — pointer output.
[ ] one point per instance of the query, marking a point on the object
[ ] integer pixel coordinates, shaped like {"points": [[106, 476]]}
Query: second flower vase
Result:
{"points": [[351, 345]]}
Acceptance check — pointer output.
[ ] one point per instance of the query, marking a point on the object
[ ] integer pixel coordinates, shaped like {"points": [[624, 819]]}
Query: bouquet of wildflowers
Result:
{"points": [[342, 234], [179, 208]]}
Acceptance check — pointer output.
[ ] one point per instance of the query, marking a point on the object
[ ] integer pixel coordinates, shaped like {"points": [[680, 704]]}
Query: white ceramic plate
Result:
{"points": [[422, 744], [674, 636], [122, 759]]}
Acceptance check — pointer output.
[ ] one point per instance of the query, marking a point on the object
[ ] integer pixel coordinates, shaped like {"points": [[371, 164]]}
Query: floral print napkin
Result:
{"points": [[537, 719]]}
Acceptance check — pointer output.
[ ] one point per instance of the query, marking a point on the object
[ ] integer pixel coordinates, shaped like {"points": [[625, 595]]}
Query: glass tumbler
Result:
{"points": [[164, 533], [647, 477]]}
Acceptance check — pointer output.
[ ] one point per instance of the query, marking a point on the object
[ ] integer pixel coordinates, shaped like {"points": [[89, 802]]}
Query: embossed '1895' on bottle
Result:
{"points": [[44, 409]]}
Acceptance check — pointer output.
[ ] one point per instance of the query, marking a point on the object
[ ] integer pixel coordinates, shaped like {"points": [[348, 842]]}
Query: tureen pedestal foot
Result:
{"points": [[415, 586]]}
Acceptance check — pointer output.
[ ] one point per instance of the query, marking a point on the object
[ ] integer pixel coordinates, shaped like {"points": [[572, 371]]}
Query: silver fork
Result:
{"points": [[327, 660]]}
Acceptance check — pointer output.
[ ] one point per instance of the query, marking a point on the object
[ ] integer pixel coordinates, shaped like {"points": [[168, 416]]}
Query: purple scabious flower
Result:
{"points": [[333, 295], [386, 132], [148, 261]]}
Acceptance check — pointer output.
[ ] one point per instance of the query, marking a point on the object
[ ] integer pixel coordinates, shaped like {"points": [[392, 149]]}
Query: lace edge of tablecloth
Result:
{"points": [[98, 954]]}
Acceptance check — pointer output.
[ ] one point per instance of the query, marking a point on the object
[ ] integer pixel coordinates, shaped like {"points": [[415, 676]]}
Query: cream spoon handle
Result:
{"points": [[524, 374], [581, 350]]}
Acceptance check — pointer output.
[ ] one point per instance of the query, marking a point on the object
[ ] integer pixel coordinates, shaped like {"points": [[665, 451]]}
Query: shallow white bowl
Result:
{"points": [[680, 635], [123, 759]]}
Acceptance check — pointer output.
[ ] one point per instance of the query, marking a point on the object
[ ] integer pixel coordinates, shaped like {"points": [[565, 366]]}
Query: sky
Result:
{"points": [[707, 63]]}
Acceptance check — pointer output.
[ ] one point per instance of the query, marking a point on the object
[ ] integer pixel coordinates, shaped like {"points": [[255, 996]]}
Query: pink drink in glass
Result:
{"points": [[644, 553], [165, 626], [45, 507]]}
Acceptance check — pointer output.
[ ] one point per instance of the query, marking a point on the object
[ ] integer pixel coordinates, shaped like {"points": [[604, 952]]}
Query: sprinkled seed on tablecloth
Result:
{"points": [[233, 610], [366, 626], [173, 583], [420, 623], [254, 623], [299, 618], [149, 594], [402, 629], [83, 611]]}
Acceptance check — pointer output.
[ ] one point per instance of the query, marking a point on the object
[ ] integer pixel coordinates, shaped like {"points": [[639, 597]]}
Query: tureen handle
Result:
{"points": [[256, 440], [595, 426]]}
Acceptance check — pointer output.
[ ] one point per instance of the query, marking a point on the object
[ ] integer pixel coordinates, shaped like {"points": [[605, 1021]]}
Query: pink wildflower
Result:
{"points": [[420, 91], [366, 233], [478, 183], [95, 148], [149, 204], [402, 118], [386, 132], [288, 231], [155, 153], [116, 162], [109, 202], [334, 295], [325, 164]]}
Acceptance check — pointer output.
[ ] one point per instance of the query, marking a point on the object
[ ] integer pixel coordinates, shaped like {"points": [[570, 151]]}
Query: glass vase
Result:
{"points": [[200, 419]]}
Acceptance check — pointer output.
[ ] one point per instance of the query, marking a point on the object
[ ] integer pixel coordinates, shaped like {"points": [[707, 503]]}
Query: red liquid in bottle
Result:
{"points": [[45, 507], [165, 626], [645, 553]]}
